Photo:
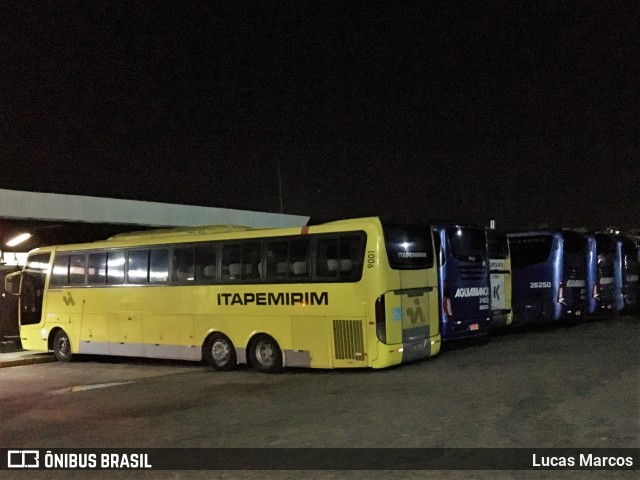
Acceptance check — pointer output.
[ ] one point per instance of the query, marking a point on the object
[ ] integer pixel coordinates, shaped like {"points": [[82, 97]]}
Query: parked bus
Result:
{"points": [[549, 275], [500, 278], [630, 260], [350, 293], [463, 280], [603, 261]]}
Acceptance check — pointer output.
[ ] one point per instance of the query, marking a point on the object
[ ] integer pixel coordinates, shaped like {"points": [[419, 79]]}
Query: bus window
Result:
{"points": [[327, 258], [158, 265], [299, 259], [231, 261], [527, 251], [467, 244], [115, 267], [68, 270], [497, 245], [77, 269], [206, 268], [251, 252], [409, 247], [97, 264], [182, 269], [60, 273], [340, 258], [277, 259], [240, 261], [138, 266]]}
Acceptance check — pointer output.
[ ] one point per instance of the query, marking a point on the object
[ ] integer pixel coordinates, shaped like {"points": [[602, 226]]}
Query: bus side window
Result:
{"points": [[250, 259], [340, 258], [60, 273], [206, 268], [138, 266], [97, 264], [327, 264], [115, 267], [351, 254], [299, 259], [77, 269], [277, 260], [182, 267], [231, 261], [159, 265]]}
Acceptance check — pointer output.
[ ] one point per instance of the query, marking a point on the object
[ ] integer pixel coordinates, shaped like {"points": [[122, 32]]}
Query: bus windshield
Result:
{"points": [[409, 247], [527, 251], [467, 244], [497, 245]]}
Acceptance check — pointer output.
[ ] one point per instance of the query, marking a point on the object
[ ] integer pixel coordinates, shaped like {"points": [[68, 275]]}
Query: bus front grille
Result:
{"points": [[347, 340]]}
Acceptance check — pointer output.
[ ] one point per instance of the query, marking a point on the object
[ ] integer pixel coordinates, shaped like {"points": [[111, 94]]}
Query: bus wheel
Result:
{"points": [[62, 346], [220, 353], [265, 354]]}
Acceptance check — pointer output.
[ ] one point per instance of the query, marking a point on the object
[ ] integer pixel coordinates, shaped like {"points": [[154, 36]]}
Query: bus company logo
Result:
{"points": [[412, 254], [68, 300], [274, 299], [576, 283], [417, 315], [472, 292], [23, 459]]}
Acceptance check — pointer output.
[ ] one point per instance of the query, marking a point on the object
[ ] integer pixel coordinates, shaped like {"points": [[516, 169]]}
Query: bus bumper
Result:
{"points": [[465, 329], [389, 355]]}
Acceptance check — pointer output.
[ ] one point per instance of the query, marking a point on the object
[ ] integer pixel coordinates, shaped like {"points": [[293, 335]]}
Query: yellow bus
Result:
{"points": [[349, 293]]}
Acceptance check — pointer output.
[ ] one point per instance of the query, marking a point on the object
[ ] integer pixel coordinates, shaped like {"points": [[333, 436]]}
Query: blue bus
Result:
{"points": [[604, 274], [500, 278], [629, 261], [463, 280], [549, 275]]}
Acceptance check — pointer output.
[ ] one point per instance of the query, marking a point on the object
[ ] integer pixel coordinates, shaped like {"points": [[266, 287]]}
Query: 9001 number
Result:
{"points": [[371, 259]]}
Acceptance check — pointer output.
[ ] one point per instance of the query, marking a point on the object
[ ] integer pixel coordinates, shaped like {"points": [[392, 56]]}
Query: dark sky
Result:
{"points": [[527, 112]]}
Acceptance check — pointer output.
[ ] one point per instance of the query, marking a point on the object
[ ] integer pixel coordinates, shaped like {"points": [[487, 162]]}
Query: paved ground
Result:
{"points": [[564, 387]]}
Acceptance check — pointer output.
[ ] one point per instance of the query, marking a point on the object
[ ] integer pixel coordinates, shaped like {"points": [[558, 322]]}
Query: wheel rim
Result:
{"points": [[63, 346], [265, 353], [220, 351]]}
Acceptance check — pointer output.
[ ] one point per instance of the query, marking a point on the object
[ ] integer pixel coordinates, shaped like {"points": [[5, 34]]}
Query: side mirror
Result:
{"points": [[12, 283]]}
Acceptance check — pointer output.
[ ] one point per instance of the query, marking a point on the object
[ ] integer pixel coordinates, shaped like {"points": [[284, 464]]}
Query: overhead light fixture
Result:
{"points": [[17, 240]]}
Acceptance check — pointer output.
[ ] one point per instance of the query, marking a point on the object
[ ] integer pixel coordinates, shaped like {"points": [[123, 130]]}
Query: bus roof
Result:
{"points": [[208, 233], [178, 231]]}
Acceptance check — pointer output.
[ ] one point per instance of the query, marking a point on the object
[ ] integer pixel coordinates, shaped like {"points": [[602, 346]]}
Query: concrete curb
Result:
{"points": [[25, 358]]}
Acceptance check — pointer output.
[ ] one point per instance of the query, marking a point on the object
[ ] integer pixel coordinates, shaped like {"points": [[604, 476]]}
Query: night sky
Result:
{"points": [[527, 112]]}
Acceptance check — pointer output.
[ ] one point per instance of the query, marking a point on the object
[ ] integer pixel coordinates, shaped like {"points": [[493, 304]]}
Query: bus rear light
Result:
{"points": [[381, 319], [447, 306], [596, 292], [561, 294]]}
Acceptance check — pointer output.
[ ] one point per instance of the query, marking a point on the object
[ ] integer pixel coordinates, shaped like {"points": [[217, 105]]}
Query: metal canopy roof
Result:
{"points": [[56, 218]]}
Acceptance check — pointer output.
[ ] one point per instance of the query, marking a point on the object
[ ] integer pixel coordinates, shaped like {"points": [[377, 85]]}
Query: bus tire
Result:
{"points": [[265, 354], [220, 353], [62, 346]]}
